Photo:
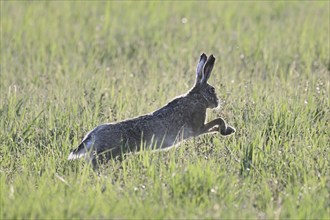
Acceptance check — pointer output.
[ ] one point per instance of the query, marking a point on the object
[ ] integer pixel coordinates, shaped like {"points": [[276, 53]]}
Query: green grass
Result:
{"points": [[69, 66]]}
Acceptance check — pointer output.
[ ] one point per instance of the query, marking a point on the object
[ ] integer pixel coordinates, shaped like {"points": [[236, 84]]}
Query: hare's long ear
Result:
{"points": [[208, 68], [199, 70]]}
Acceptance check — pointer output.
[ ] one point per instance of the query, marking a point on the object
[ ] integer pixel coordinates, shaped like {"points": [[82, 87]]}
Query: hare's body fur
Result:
{"points": [[180, 119]]}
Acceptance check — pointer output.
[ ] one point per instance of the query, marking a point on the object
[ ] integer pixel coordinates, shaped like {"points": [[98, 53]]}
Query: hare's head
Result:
{"points": [[203, 72]]}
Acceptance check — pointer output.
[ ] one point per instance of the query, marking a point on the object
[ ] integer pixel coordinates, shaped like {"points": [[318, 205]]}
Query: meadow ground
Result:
{"points": [[69, 66]]}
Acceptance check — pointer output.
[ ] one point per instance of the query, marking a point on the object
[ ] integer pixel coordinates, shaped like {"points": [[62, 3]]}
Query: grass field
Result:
{"points": [[69, 66]]}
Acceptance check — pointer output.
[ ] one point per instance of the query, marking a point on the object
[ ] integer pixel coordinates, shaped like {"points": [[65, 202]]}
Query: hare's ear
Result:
{"points": [[208, 68], [199, 70]]}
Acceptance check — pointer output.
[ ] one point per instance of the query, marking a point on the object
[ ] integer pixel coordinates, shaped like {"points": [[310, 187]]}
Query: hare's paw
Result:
{"points": [[214, 129], [229, 130]]}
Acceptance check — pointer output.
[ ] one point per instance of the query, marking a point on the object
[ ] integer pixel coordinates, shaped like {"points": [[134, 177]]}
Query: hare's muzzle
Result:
{"points": [[215, 103]]}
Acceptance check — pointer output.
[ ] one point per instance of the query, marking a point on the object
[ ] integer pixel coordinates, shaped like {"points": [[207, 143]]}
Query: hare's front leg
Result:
{"points": [[218, 125]]}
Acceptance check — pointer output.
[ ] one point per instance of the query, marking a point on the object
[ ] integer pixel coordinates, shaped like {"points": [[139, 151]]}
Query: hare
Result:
{"points": [[181, 118]]}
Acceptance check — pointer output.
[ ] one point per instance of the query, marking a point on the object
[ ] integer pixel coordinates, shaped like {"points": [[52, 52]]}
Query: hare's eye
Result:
{"points": [[212, 90]]}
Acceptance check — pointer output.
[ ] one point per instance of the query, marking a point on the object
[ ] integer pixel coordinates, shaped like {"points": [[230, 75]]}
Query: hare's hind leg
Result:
{"points": [[218, 125]]}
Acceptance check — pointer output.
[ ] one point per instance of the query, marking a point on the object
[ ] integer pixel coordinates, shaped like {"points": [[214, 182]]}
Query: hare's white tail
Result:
{"points": [[77, 153], [83, 150]]}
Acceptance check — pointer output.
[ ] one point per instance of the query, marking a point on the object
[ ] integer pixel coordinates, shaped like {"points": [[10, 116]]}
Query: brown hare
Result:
{"points": [[181, 118]]}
